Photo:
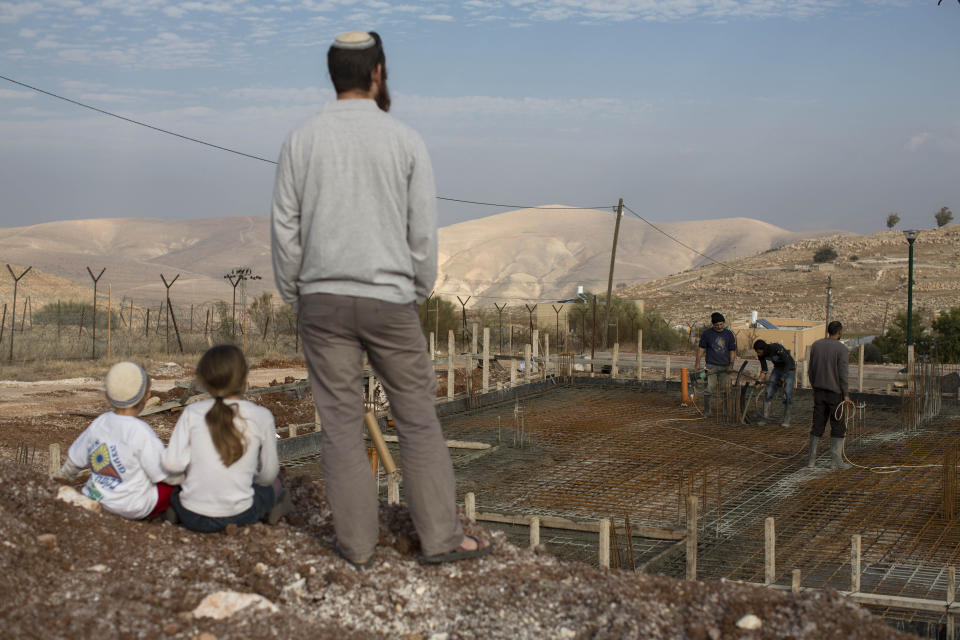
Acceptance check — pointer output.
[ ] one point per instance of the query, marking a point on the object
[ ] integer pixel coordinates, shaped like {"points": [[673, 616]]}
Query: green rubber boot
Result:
{"points": [[836, 454], [812, 456]]}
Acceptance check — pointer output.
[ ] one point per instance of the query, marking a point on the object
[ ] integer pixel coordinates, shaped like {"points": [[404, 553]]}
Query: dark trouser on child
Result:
{"points": [[825, 404], [778, 378]]}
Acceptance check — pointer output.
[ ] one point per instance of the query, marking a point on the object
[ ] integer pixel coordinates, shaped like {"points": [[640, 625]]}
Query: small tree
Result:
{"points": [[448, 320], [825, 254], [944, 216], [893, 344], [892, 220], [261, 311], [947, 329]]}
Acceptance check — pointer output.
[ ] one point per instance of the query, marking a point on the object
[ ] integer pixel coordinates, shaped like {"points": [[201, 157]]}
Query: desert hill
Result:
{"points": [[869, 280], [546, 252], [528, 253]]}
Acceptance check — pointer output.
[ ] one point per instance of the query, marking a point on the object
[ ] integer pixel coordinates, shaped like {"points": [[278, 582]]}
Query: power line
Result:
{"points": [[521, 206], [699, 253], [137, 122], [249, 155]]}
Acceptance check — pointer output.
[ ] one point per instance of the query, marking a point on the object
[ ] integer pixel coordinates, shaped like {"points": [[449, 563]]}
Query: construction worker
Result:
{"points": [[784, 373], [828, 377], [718, 349]]}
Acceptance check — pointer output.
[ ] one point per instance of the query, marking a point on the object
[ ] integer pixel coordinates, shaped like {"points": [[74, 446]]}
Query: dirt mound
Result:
{"points": [[104, 576]]}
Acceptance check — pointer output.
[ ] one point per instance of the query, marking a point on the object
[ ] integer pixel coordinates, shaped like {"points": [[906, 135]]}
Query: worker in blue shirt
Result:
{"points": [[784, 372], [718, 349]]}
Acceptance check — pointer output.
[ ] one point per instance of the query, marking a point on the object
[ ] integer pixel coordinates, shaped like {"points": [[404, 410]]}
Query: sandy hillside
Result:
{"points": [[530, 252], [869, 281], [547, 252]]}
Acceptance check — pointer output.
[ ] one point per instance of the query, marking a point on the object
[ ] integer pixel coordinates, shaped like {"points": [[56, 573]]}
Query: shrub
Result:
{"points": [[825, 254]]}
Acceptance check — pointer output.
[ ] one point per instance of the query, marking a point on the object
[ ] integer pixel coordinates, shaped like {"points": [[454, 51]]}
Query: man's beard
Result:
{"points": [[383, 93]]}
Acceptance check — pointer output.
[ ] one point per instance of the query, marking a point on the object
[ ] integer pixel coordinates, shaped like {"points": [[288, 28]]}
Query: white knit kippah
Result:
{"points": [[126, 382], [354, 40]]}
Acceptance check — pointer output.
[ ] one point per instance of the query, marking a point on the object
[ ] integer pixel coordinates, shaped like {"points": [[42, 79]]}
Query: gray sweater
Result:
{"points": [[828, 365], [354, 209]]}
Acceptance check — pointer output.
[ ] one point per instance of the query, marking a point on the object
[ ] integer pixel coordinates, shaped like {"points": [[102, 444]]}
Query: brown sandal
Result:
{"points": [[459, 553]]}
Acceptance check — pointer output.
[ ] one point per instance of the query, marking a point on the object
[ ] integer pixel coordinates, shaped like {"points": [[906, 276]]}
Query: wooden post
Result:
{"points": [[468, 370], [433, 347], [486, 359], [546, 354], [769, 552], [513, 373], [951, 598], [604, 551], [473, 338], [863, 348], [795, 582], [292, 431], [316, 420], [527, 363], [806, 368], [451, 369], [393, 488], [371, 386], [855, 563], [616, 353], [666, 369], [54, 464], [534, 532], [470, 506], [639, 354], [796, 352], [109, 313], [910, 360], [691, 546]]}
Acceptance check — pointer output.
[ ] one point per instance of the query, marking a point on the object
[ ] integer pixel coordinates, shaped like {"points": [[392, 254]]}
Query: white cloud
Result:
{"points": [[438, 17], [13, 94], [917, 141], [14, 11], [28, 33]]}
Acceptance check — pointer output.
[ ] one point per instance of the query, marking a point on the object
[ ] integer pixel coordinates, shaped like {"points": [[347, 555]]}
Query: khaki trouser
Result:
{"points": [[336, 330]]}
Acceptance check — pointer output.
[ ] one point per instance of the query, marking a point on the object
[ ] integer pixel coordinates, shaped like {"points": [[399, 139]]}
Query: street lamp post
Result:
{"points": [[911, 235]]}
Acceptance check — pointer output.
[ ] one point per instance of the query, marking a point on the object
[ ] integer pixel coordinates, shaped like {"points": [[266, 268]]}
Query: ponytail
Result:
{"points": [[222, 371], [224, 433]]}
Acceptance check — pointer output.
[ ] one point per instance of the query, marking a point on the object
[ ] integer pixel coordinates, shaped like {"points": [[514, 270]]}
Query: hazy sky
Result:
{"points": [[807, 114]]}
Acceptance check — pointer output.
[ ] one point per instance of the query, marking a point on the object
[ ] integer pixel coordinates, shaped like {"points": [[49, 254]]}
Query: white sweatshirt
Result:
{"points": [[211, 489], [123, 454]]}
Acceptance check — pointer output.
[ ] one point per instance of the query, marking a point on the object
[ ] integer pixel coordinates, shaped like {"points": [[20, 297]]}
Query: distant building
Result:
{"points": [[795, 334]]}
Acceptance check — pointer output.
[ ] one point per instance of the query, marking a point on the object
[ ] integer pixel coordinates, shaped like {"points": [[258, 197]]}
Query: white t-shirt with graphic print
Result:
{"points": [[123, 454]]}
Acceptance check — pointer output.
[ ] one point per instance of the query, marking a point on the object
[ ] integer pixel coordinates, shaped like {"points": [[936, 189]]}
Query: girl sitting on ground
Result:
{"points": [[122, 451], [227, 448]]}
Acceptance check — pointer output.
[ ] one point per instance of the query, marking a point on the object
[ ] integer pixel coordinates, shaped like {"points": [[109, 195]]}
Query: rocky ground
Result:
{"points": [[869, 280], [66, 572]]}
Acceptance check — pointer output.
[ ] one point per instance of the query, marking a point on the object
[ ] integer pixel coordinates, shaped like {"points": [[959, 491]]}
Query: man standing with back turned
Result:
{"points": [[354, 242], [828, 377]]}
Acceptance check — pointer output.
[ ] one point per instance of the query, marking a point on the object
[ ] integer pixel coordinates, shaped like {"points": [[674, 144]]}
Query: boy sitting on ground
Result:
{"points": [[122, 451]]}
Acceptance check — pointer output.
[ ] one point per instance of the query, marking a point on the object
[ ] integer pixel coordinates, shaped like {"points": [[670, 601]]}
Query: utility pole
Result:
{"points": [[911, 235], [166, 342], [500, 330], [593, 341], [613, 259], [829, 304], [557, 311], [463, 317], [237, 276], [13, 314], [96, 279]]}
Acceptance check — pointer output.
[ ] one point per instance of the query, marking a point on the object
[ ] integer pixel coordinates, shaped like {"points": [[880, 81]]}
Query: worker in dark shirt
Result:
{"points": [[718, 350], [784, 373], [828, 373]]}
